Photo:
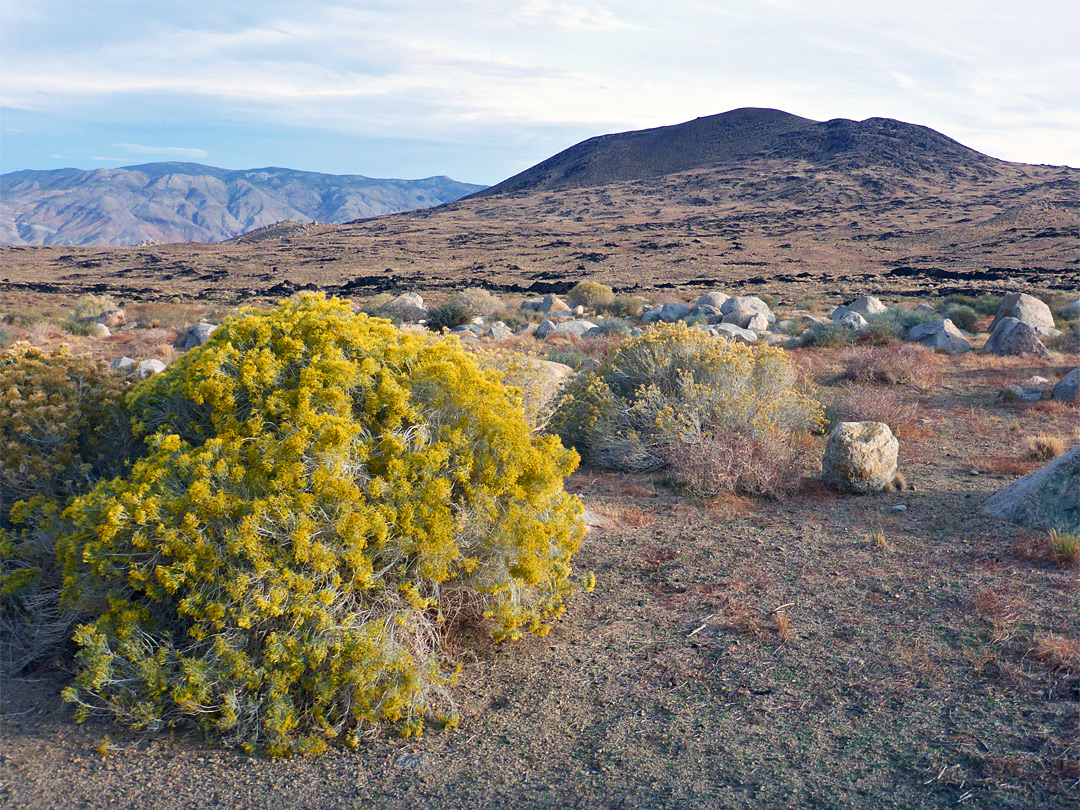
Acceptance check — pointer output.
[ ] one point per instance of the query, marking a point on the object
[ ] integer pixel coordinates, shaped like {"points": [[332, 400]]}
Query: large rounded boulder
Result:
{"points": [[860, 457]]}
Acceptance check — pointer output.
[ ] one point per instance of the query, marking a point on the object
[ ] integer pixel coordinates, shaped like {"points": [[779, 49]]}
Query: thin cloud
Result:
{"points": [[164, 151]]}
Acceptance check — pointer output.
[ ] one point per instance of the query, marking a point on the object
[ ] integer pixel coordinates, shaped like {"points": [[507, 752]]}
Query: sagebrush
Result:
{"points": [[676, 393]]}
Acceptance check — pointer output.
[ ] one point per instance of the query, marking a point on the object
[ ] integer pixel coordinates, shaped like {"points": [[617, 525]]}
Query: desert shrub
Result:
{"points": [[88, 307], [63, 423], [882, 329], [827, 335], [859, 403], [7, 337], [627, 306], [613, 326], [447, 316], [477, 302], [987, 304], [675, 388], [591, 295], [728, 461], [891, 365], [1044, 448], [63, 426], [322, 498], [963, 316]]}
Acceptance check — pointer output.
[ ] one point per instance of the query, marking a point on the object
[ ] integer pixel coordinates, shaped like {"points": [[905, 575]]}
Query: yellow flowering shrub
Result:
{"points": [[661, 397], [324, 496], [62, 423], [63, 426]]}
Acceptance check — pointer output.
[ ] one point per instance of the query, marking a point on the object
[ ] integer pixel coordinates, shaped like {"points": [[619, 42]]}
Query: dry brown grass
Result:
{"points": [[1044, 447], [1057, 651], [908, 364]]}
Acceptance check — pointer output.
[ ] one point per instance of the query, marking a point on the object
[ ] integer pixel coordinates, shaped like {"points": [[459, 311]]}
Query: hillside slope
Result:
{"points": [[747, 134], [189, 202]]}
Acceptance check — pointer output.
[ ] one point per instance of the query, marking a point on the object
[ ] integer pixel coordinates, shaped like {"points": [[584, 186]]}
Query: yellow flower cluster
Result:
{"points": [[323, 497]]}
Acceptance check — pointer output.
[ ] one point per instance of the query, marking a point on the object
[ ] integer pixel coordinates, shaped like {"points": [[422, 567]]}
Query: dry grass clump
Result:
{"points": [[1057, 651], [1044, 447], [909, 364], [1065, 548]]}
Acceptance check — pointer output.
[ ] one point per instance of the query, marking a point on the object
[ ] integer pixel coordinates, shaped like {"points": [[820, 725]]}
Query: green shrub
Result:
{"points": [[323, 498], [673, 390], [827, 335], [89, 307], [7, 337], [477, 302], [962, 316], [591, 295], [627, 306], [447, 316]]}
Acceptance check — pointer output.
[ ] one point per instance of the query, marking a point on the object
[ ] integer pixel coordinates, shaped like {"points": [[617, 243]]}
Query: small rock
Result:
{"points": [[113, 318], [99, 330], [940, 335], [148, 368], [849, 319], [195, 335], [124, 364], [867, 305], [545, 328], [1021, 393], [900, 507], [714, 298]]}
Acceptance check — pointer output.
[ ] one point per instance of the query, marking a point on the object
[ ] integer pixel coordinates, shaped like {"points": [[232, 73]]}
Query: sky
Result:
{"points": [[482, 89]]}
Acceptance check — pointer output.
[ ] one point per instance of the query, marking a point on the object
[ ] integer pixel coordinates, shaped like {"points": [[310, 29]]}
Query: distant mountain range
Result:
{"points": [[189, 202], [745, 200]]}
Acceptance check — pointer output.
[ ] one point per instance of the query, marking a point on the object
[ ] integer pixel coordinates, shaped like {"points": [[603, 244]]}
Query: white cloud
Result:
{"points": [[164, 151], [455, 72]]}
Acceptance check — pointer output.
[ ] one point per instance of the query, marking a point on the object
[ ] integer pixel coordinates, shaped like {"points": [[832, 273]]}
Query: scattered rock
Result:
{"points": [[148, 368], [1068, 389], [195, 335], [575, 328], [714, 298], [867, 305], [668, 313], [99, 330], [1026, 309], [545, 329], [740, 309], [1072, 310], [733, 332], [1046, 499], [499, 331], [849, 319], [124, 364], [940, 335], [1021, 393], [408, 306], [860, 457], [1012, 336], [112, 319]]}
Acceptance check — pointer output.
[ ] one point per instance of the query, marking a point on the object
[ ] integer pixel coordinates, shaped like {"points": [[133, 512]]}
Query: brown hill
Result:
{"points": [[189, 202], [749, 134], [779, 204]]}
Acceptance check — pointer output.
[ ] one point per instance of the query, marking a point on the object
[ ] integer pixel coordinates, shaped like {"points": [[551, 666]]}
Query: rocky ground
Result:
{"points": [[825, 650]]}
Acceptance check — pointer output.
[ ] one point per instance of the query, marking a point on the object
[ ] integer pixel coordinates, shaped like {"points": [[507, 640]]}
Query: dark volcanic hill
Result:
{"points": [[751, 201], [749, 134], [189, 202]]}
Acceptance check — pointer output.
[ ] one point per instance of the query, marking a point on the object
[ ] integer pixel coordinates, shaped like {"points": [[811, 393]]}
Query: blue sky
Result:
{"points": [[481, 89]]}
